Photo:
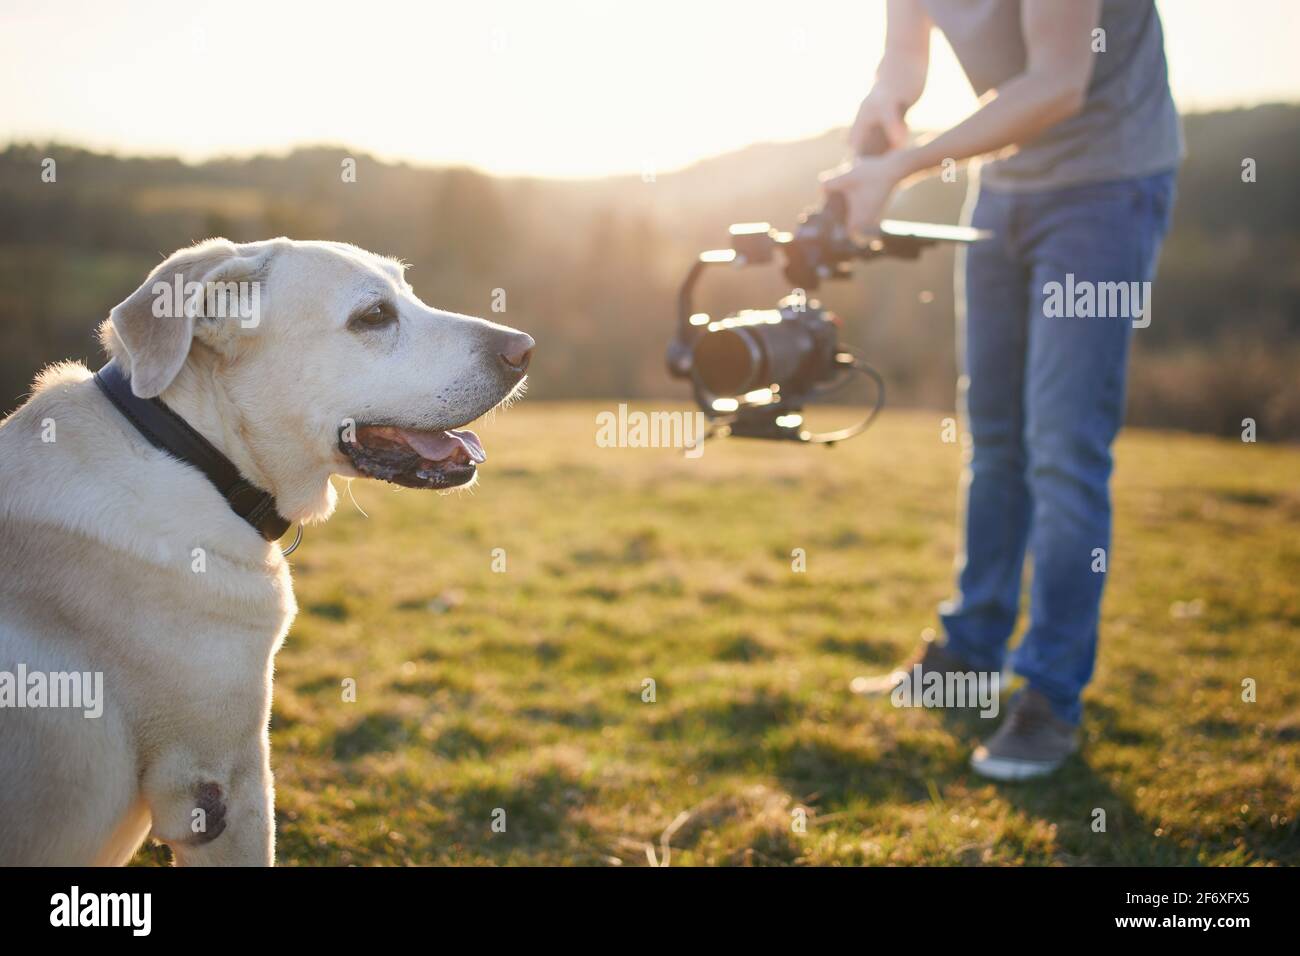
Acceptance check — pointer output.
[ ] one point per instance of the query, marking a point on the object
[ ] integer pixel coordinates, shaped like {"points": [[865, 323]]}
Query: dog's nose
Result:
{"points": [[516, 351]]}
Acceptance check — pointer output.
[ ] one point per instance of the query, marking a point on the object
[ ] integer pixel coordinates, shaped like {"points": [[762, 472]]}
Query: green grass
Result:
{"points": [[523, 690]]}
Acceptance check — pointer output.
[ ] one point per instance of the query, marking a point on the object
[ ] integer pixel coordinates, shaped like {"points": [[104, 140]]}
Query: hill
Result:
{"points": [[591, 268]]}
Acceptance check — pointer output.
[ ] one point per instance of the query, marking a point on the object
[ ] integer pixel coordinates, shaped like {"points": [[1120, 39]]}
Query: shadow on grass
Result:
{"points": [[837, 774], [373, 733], [536, 812], [725, 734], [584, 718], [1071, 798]]}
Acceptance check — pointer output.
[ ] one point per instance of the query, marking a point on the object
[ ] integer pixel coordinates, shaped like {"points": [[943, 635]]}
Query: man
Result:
{"points": [[1076, 110]]}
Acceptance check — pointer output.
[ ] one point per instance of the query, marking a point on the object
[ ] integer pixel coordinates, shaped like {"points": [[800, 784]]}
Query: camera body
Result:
{"points": [[753, 371]]}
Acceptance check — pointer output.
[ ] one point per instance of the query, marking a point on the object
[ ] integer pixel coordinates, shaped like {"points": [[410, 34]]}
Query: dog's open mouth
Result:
{"points": [[416, 458]]}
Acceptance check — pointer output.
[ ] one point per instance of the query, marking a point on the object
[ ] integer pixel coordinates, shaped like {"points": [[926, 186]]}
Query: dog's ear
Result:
{"points": [[155, 323]]}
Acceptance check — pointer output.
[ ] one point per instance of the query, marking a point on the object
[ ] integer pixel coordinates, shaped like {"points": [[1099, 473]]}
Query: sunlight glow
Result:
{"points": [[565, 88]]}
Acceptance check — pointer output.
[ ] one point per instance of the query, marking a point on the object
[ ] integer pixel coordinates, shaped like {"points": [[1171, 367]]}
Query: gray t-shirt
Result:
{"points": [[1128, 125]]}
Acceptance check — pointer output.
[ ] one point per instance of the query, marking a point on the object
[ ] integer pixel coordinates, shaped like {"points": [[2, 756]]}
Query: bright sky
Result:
{"points": [[557, 88]]}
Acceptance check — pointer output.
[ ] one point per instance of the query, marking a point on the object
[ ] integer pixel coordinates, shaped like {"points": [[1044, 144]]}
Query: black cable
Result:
{"points": [[826, 438]]}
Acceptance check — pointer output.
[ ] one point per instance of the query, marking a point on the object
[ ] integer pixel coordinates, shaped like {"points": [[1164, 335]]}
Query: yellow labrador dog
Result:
{"points": [[142, 592]]}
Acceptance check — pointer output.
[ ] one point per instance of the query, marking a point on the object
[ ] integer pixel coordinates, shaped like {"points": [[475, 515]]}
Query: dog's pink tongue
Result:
{"points": [[435, 446]]}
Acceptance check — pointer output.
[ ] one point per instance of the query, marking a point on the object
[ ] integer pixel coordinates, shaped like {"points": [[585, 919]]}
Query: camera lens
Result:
{"points": [[754, 350], [729, 361]]}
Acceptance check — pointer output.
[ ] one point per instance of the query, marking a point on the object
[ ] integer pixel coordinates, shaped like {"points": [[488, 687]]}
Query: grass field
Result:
{"points": [[523, 690]]}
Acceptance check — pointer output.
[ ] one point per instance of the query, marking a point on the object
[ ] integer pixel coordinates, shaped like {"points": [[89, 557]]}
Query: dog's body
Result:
{"points": [[117, 559]]}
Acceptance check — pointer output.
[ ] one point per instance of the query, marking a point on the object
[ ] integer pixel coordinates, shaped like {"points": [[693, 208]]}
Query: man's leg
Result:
{"points": [[992, 305], [1103, 233]]}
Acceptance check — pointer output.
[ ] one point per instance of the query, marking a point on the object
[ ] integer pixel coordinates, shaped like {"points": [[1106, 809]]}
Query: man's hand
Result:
{"points": [[879, 125], [879, 134], [867, 185], [900, 80], [868, 182]]}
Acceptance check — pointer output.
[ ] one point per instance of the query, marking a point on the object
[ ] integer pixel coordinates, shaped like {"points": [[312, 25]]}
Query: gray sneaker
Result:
{"points": [[931, 657], [1032, 741]]}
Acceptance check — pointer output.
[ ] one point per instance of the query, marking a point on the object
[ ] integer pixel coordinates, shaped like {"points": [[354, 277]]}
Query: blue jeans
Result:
{"points": [[1042, 390]]}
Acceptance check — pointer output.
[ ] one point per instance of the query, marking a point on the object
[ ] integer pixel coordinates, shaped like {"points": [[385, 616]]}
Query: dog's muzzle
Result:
{"points": [[414, 458]]}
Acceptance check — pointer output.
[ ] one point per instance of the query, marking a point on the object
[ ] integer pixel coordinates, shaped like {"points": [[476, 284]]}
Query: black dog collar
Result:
{"points": [[169, 432]]}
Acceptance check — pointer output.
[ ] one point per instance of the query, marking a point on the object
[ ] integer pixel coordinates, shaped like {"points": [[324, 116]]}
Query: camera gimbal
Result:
{"points": [[752, 372]]}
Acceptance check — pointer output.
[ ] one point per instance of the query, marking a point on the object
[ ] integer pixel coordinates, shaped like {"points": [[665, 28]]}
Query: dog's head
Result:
{"points": [[324, 355]]}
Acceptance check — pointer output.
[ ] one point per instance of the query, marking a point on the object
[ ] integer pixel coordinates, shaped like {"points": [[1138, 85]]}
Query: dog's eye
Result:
{"points": [[379, 314]]}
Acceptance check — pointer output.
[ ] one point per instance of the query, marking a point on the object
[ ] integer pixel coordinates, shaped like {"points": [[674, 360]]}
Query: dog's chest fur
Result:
{"points": [[132, 564]]}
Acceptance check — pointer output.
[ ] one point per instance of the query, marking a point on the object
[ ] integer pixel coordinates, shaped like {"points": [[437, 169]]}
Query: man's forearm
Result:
{"points": [[1023, 108]]}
